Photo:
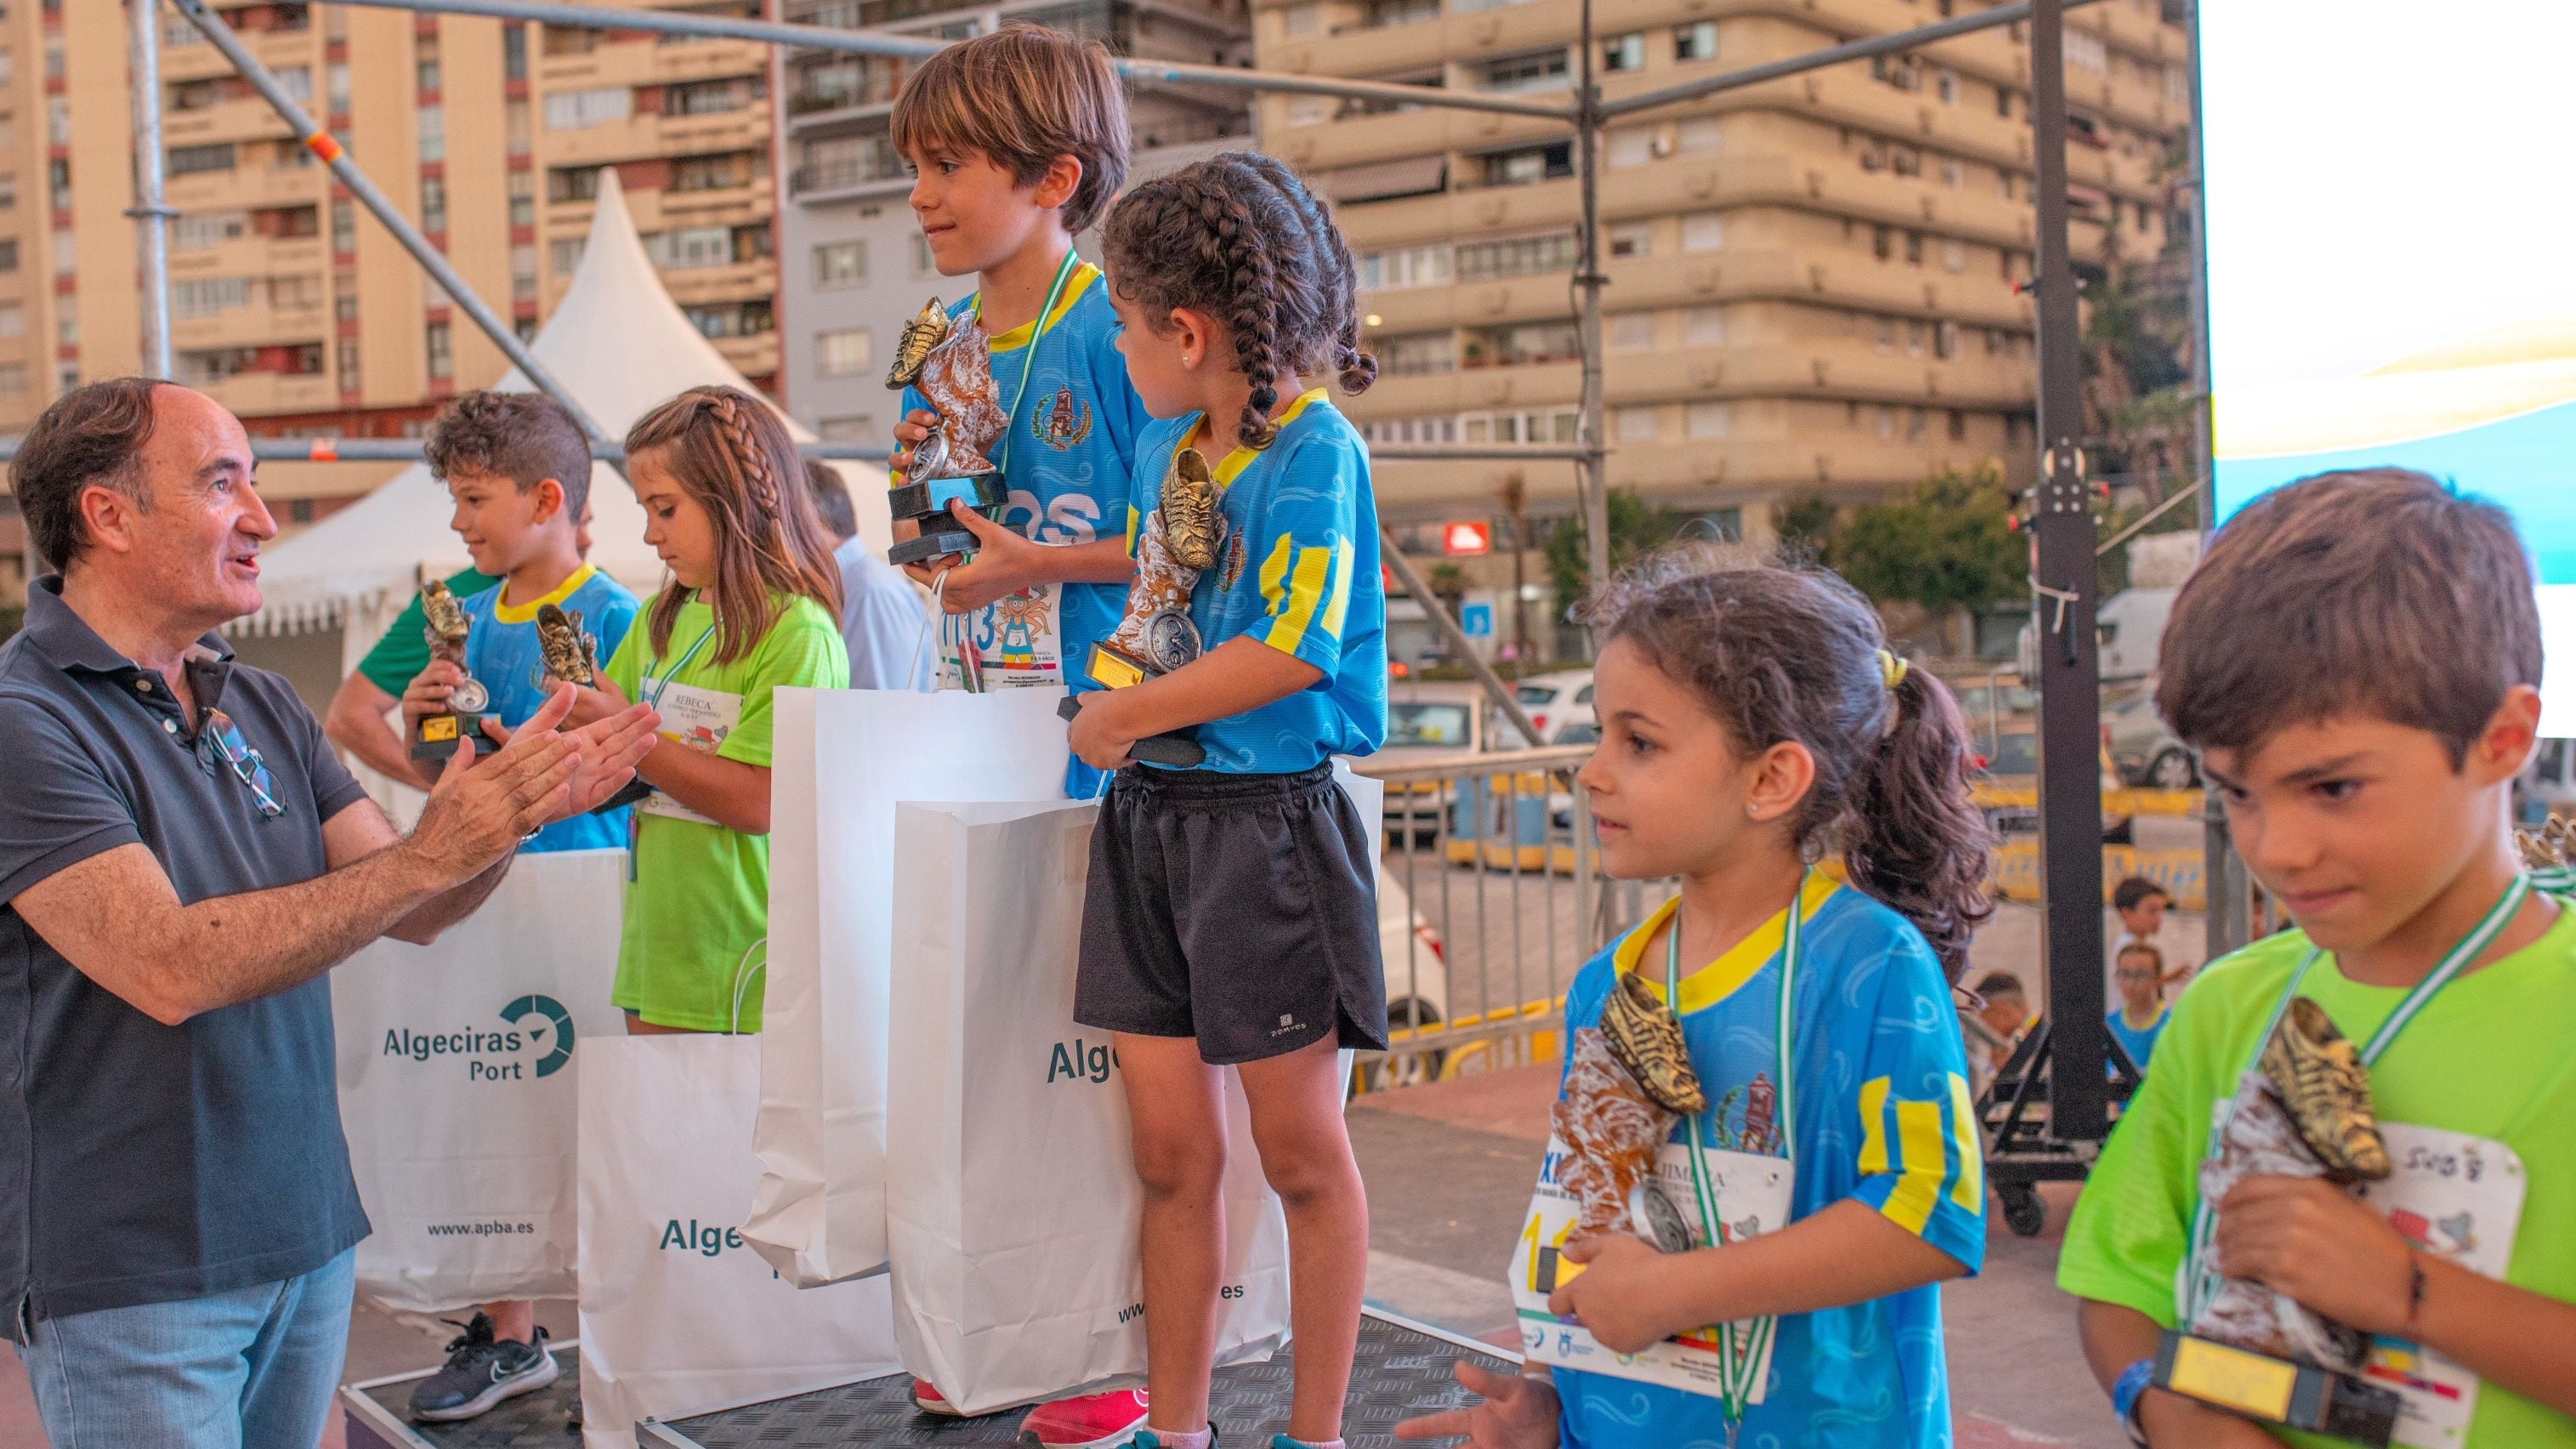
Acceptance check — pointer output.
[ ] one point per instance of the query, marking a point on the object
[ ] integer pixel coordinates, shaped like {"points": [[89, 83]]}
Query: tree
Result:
{"points": [[1635, 531], [1947, 547], [1805, 528]]}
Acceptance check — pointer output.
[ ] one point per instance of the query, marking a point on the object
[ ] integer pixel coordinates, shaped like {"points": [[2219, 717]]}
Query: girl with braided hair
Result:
{"points": [[754, 603], [1230, 919]]}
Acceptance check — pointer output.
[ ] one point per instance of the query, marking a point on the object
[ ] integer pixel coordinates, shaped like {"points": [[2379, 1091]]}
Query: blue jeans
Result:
{"points": [[250, 1369]]}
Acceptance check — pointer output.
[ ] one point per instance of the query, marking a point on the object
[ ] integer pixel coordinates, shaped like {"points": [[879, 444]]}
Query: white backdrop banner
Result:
{"points": [[455, 1093]]}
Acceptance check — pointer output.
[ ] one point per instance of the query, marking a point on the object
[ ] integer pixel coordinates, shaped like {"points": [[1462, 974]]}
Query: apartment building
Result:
{"points": [[1811, 282], [288, 305], [853, 265]]}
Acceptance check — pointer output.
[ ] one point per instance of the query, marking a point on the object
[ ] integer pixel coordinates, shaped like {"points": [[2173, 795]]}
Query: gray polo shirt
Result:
{"points": [[142, 1163]]}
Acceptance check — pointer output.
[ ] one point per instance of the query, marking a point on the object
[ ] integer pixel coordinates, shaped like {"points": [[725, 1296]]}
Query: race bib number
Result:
{"points": [[2455, 1198], [1752, 1197], [701, 719]]}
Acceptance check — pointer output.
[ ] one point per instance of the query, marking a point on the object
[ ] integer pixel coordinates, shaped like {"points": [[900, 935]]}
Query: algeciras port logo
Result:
{"points": [[535, 1040]]}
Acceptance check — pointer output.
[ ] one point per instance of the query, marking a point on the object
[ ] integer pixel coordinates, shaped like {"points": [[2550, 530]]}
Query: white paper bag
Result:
{"points": [[678, 1315], [455, 1088], [1013, 1206], [841, 759]]}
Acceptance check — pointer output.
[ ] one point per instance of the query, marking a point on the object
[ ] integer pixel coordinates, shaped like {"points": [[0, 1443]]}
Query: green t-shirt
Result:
{"points": [[2489, 1055], [698, 909], [403, 653]]}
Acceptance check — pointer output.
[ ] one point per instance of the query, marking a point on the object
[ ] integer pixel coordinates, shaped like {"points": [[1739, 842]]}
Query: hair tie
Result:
{"points": [[1891, 670]]}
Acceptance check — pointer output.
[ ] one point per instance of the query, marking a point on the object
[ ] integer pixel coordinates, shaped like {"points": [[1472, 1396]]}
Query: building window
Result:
{"points": [[1309, 110], [1696, 41], [2085, 51], [344, 227], [523, 272], [8, 193], [1632, 239], [1624, 52], [710, 98], [1516, 257], [1947, 87], [1526, 344], [1914, 331], [1301, 19], [1634, 146], [1887, 424], [1530, 165], [572, 183], [195, 160], [335, 77], [855, 428], [573, 110], [1698, 137], [1704, 326], [433, 133], [1418, 354], [208, 296], [346, 364], [563, 40], [1402, 12], [709, 173], [1945, 339], [683, 248], [1887, 334], [13, 319], [564, 254], [433, 205], [1708, 420], [514, 52], [442, 355], [13, 379], [514, 127], [425, 64], [1633, 425], [840, 264], [1703, 231], [1540, 71], [1632, 331], [1914, 248], [841, 353], [1392, 271], [1958, 424], [1954, 254], [523, 198], [208, 228], [1952, 173]]}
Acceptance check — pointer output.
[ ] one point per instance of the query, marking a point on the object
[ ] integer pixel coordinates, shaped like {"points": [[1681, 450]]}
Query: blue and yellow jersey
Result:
{"points": [[1299, 572], [1069, 452], [501, 651], [1882, 1117]]}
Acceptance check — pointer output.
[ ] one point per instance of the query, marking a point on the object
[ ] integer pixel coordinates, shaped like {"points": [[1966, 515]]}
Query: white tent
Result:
{"points": [[621, 345]]}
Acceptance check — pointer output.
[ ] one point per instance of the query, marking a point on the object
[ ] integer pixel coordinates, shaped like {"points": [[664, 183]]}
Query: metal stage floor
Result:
{"points": [[1402, 1370]]}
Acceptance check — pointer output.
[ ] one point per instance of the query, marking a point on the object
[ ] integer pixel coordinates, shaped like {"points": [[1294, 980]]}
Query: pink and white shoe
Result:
{"points": [[927, 1398], [1094, 1421]]}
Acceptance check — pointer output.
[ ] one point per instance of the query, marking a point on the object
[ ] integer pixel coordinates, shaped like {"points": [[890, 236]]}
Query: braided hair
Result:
{"points": [[1239, 237], [730, 452]]}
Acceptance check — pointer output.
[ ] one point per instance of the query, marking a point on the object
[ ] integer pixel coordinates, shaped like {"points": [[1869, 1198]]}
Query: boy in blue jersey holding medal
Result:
{"points": [[518, 469], [2368, 778], [1017, 141]]}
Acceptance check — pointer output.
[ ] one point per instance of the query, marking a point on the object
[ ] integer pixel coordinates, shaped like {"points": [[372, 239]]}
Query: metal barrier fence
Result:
{"points": [[1489, 873]]}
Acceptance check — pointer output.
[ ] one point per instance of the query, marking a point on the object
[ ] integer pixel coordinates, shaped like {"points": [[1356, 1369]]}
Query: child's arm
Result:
{"points": [[1236, 677], [1006, 563], [2309, 1239], [2115, 1337], [1629, 1295], [731, 793]]}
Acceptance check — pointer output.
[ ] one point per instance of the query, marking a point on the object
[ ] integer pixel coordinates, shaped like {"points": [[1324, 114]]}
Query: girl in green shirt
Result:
{"points": [[754, 603]]}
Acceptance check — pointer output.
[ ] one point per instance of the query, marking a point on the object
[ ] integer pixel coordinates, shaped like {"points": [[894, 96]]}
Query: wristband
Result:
{"points": [[2126, 1390]]}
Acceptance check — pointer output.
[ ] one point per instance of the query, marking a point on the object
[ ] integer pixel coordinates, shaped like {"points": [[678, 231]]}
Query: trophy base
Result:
{"points": [[1176, 750], [440, 733], [2276, 1391], [927, 503]]}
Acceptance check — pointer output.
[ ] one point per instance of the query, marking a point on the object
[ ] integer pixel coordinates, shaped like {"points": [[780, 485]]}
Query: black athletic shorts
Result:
{"points": [[1237, 909]]}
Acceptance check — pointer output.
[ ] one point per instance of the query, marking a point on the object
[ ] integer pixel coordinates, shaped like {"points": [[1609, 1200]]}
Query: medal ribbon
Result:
{"points": [[1740, 1346], [2200, 1276]]}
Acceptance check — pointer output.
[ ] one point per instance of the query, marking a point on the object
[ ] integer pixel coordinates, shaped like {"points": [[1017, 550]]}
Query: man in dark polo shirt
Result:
{"points": [[181, 859]]}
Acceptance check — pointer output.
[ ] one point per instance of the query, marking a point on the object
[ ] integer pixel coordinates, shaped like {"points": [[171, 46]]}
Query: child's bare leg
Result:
{"points": [[514, 1321], [1177, 1103], [1306, 1153]]}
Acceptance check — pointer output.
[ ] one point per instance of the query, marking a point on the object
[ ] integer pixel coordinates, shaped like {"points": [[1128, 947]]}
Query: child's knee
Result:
{"points": [[1179, 1168], [1310, 1171]]}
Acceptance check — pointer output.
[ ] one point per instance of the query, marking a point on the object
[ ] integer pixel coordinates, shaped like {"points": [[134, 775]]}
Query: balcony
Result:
{"points": [[197, 60], [752, 356], [250, 186], [733, 282], [245, 119], [845, 178], [249, 394], [638, 136]]}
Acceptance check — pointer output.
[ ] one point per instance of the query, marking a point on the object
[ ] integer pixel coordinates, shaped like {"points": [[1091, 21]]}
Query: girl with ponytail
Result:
{"points": [[754, 603], [1754, 728], [1230, 919]]}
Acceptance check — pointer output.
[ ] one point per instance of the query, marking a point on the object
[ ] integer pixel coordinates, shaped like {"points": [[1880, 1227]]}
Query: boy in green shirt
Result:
{"points": [[2358, 661]]}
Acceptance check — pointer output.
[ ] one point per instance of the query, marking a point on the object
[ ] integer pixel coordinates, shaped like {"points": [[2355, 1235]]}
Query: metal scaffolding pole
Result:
{"points": [[320, 142], [151, 212], [408, 450], [2227, 920], [2062, 585], [880, 42]]}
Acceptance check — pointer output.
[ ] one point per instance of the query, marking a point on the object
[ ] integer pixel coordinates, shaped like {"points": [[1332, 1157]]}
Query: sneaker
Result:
{"points": [[1148, 1439], [1094, 1421], [481, 1371], [927, 1398]]}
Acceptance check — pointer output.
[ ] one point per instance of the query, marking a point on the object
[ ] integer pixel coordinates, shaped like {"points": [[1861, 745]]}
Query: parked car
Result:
{"points": [[1417, 979], [2548, 783], [1994, 703], [2014, 765], [1560, 703], [1429, 723], [2147, 753]]}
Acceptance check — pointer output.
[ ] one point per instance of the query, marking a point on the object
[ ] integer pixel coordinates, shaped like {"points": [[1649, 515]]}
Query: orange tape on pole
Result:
{"points": [[321, 144], [326, 450]]}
